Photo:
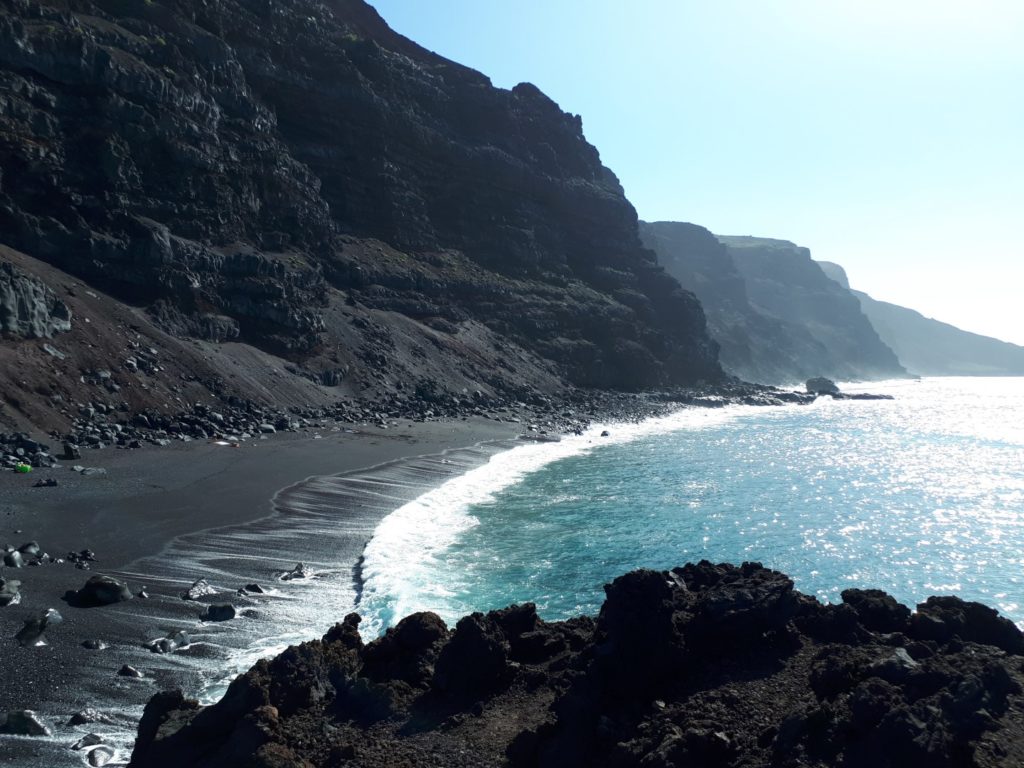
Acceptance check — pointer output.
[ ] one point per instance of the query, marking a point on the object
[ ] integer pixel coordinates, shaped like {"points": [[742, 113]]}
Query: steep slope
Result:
{"points": [[783, 282], [929, 347], [246, 171], [753, 345]]}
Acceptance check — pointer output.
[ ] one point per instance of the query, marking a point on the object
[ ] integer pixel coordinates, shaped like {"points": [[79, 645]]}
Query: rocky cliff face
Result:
{"points": [[704, 665], [928, 347], [754, 345], [252, 170], [28, 308], [784, 283]]}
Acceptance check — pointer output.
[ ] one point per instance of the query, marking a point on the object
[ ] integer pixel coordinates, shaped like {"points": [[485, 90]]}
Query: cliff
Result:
{"points": [[785, 283], [928, 347], [703, 665], [775, 315], [298, 177]]}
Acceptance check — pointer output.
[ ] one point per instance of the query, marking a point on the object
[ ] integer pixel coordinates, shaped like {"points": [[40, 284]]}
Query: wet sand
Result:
{"points": [[163, 517]]}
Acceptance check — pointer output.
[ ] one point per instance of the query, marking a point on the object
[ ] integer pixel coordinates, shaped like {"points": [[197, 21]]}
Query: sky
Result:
{"points": [[886, 136]]}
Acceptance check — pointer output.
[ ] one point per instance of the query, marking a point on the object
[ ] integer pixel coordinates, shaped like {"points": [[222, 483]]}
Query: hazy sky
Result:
{"points": [[887, 136]]}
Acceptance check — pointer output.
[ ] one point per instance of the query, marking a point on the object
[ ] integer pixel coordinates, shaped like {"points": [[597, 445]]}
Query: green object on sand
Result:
{"points": [[23, 469]]}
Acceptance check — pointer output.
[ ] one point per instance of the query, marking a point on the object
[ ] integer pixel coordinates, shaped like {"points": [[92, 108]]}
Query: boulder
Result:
{"points": [[219, 613], [200, 588], [86, 716], [475, 661], [100, 756], [173, 641], [298, 572], [99, 590], [89, 740], [821, 386], [31, 635], [9, 592], [24, 722], [30, 548], [129, 671], [14, 560], [877, 610], [941, 618]]}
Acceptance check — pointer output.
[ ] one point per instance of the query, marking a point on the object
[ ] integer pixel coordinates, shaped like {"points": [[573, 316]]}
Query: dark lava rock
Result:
{"points": [[100, 756], [31, 634], [87, 716], [822, 386], [172, 642], [705, 665], [275, 121], [219, 613], [89, 740], [24, 722], [14, 560], [877, 611], [30, 548], [94, 645], [941, 618], [129, 671], [253, 589], [10, 592], [298, 572], [200, 588], [476, 659], [99, 590], [49, 482]]}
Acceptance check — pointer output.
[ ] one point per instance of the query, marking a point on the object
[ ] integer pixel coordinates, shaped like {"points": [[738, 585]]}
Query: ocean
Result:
{"points": [[919, 495]]}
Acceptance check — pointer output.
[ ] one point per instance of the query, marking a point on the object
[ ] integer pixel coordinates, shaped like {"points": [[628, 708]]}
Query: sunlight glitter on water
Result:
{"points": [[920, 495]]}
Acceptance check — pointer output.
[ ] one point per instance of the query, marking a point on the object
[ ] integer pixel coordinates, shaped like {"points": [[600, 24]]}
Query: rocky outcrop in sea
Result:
{"points": [[709, 665]]}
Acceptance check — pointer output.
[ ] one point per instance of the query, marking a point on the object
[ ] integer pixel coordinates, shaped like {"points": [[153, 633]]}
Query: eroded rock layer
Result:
{"points": [[705, 665], [244, 169]]}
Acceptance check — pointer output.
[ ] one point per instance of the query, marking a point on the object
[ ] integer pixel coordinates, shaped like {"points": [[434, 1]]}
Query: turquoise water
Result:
{"points": [[917, 496]]}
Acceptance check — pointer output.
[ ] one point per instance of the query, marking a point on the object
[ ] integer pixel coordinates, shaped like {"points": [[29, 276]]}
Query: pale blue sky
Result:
{"points": [[885, 136]]}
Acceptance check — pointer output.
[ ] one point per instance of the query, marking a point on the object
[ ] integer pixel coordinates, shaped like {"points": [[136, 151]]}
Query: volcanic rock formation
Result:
{"points": [[929, 347], [705, 665], [297, 176]]}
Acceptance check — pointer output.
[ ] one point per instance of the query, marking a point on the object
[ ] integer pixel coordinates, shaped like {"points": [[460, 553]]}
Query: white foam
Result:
{"points": [[408, 544]]}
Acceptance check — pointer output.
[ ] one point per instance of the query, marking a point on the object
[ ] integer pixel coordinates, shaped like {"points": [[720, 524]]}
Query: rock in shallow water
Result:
{"points": [[100, 756], [172, 642], [200, 588], [298, 572], [89, 740], [219, 613]]}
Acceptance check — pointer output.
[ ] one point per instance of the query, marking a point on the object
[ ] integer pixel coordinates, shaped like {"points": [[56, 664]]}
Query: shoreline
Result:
{"points": [[140, 517], [151, 501]]}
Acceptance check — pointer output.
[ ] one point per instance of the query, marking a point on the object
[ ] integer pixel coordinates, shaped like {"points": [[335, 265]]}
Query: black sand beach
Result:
{"points": [[150, 521]]}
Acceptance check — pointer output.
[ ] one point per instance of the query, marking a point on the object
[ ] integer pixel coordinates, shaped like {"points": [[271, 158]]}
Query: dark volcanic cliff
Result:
{"points": [[753, 345], [297, 176], [776, 317], [704, 665], [783, 282], [929, 347]]}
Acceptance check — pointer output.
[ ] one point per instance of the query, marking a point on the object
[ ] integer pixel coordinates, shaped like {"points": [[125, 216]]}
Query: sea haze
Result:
{"points": [[918, 496]]}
